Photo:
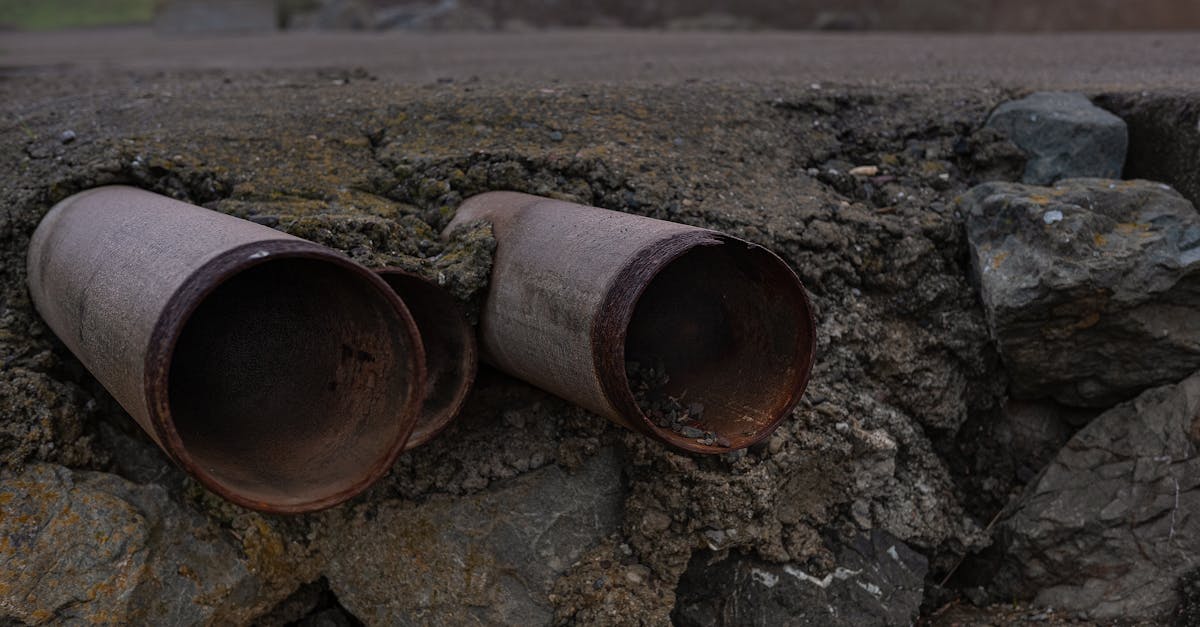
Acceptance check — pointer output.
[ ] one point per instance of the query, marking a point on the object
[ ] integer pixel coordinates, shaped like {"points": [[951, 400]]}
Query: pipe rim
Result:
{"points": [[469, 359], [184, 302], [616, 313]]}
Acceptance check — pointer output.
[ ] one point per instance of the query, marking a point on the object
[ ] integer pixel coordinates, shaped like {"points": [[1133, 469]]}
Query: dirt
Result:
{"points": [[892, 433], [648, 382], [609, 586]]}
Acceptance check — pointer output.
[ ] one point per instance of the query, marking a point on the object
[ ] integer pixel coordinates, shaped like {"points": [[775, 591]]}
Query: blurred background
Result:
{"points": [[215, 16]]}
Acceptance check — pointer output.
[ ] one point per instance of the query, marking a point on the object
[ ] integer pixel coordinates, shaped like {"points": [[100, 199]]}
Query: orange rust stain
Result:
{"points": [[1088, 321], [1132, 227], [999, 259]]}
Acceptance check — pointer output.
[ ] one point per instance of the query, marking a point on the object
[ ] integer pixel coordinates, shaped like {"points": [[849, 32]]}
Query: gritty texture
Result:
{"points": [[1108, 528], [885, 440], [94, 548], [1164, 137], [1064, 135], [608, 586], [490, 558], [1090, 286]]}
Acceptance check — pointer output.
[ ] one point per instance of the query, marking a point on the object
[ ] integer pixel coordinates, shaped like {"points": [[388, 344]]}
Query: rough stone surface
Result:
{"points": [[1065, 136], [878, 581], [1164, 138], [1090, 286], [1110, 525], [93, 548], [488, 559]]}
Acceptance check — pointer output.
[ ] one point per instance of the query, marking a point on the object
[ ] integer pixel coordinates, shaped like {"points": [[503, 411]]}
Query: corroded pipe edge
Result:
{"points": [[610, 327], [178, 311], [436, 421]]}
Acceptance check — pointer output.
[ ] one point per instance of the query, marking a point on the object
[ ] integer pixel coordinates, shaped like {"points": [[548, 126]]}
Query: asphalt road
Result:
{"points": [[1072, 60]]}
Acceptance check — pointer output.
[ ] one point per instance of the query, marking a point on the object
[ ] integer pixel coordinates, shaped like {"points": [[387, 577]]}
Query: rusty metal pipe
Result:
{"points": [[577, 292], [280, 374], [451, 354]]}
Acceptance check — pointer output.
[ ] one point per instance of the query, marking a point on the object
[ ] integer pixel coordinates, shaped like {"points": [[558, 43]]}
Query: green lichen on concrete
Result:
{"points": [[387, 234]]}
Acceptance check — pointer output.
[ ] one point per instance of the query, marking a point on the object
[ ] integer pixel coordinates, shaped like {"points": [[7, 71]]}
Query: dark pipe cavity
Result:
{"points": [[724, 327], [278, 394]]}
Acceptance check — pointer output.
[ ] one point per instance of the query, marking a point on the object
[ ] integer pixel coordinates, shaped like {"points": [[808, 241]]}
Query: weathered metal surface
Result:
{"points": [[282, 375], [451, 353], [577, 291]]}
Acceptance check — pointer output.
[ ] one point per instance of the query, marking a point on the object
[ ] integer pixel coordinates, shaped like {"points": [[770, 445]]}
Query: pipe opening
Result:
{"points": [[288, 384], [720, 342], [450, 351]]}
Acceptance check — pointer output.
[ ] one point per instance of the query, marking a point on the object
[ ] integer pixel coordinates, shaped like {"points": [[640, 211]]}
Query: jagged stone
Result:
{"points": [[489, 558], [1109, 527], [1164, 137], [91, 547], [1090, 286], [1064, 135]]}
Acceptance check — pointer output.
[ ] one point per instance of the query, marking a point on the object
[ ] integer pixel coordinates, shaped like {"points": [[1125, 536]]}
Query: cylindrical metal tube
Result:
{"points": [[283, 376], [451, 355], [580, 294]]}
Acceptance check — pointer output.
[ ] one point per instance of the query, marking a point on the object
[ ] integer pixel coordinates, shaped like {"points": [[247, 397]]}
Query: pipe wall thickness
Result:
{"points": [[451, 353]]}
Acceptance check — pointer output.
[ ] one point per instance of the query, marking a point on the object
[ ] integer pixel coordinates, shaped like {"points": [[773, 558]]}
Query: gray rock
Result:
{"points": [[91, 547], [1065, 136], [1110, 525], [1090, 286], [1033, 432], [486, 558], [878, 581], [1164, 138]]}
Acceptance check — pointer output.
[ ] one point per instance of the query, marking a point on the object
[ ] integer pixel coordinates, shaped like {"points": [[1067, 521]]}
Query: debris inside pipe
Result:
{"points": [[698, 339], [282, 375]]}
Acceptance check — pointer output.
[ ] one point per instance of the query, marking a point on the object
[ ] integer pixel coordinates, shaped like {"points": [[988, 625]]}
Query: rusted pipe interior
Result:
{"points": [[596, 305], [733, 329], [451, 355], [284, 383]]}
